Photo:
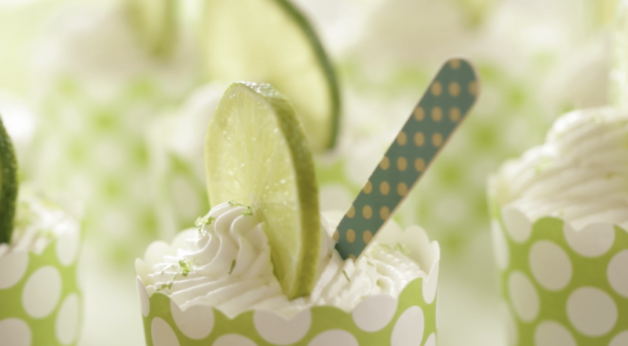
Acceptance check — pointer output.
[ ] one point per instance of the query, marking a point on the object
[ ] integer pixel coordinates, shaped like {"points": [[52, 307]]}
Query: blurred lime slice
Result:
{"points": [[155, 23], [270, 41], [8, 185], [256, 154]]}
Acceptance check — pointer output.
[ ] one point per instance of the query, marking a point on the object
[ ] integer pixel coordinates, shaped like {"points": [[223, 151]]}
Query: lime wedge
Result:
{"points": [[155, 23], [8, 185], [270, 41], [256, 154]]}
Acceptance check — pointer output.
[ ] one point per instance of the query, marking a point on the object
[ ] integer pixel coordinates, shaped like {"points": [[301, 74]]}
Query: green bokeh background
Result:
{"points": [[536, 60]]}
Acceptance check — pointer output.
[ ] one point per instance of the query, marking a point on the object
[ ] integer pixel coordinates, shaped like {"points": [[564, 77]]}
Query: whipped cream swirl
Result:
{"points": [[37, 223], [580, 174], [226, 264]]}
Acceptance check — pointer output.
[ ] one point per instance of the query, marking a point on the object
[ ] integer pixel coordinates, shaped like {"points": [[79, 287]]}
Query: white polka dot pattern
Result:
{"points": [[275, 329], [430, 286], [67, 320], [618, 273], [409, 328], [517, 224], [580, 282], [524, 296], [334, 338], [13, 265], [374, 313], [196, 322], [408, 320], [162, 334], [551, 333], [591, 311], [620, 339], [431, 340], [42, 292], [232, 340], [592, 241], [67, 247], [144, 300], [550, 265], [15, 332]]}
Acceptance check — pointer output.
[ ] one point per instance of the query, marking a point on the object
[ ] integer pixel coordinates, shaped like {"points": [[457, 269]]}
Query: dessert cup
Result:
{"points": [[560, 239], [39, 292], [562, 285], [378, 320]]}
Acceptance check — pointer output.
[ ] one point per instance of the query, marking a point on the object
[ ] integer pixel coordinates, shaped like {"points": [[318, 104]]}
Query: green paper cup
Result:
{"points": [[40, 299], [562, 286], [378, 320]]}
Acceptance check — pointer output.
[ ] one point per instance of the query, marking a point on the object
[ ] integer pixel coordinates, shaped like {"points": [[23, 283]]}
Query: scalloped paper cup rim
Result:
{"points": [[377, 320], [558, 279], [583, 239]]}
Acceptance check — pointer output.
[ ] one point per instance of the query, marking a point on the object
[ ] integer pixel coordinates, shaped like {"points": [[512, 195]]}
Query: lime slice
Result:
{"points": [[256, 154], [155, 23], [8, 185], [270, 41]]}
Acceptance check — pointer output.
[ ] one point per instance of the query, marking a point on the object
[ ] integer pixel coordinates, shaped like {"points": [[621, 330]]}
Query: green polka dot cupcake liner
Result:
{"points": [[40, 299], [562, 286], [378, 320]]}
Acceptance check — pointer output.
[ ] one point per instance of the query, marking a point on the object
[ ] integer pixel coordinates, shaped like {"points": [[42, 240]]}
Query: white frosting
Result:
{"points": [[37, 223], [580, 174], [226, 264]]}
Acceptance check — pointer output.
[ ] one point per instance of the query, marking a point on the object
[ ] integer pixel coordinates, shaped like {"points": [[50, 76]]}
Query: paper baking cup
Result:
{"points": [[379, 320], [562, 286], [40, 299]]}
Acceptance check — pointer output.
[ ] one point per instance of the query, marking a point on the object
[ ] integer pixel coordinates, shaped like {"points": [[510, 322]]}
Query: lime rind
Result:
{"points": [[271, 41], [256, 154], [8, 185], [325, 65]]}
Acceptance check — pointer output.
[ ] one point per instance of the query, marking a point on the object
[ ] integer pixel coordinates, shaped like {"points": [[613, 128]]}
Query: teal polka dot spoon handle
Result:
{"points": [[444, 105]]}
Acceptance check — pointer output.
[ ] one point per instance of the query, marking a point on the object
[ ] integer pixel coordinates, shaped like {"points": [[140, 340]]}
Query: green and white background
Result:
{"points": [[536, 60]]}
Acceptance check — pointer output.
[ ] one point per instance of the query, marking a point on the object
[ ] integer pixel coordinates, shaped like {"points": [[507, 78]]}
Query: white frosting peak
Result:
{"points": [[226, 264], [580, 174]]}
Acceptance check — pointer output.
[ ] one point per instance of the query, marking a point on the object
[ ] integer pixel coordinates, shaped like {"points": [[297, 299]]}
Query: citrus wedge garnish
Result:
{"points": [[8, 185], [270, 41], [155, 23], [256, 154]]}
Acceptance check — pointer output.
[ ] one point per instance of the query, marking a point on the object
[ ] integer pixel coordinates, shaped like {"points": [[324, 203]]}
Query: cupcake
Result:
{"points": [[39, 245], [261, 267], [214, 282], [560, 215]]}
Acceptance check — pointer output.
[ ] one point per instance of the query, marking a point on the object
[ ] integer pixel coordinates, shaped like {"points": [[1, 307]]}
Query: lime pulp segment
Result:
{"points": [[8, 185], [256, 154], [270, 41]]}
